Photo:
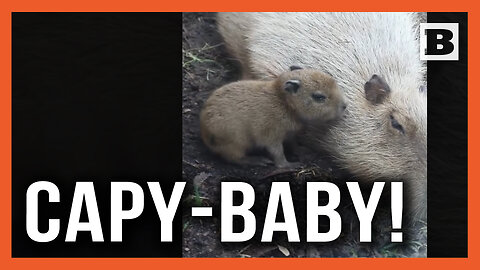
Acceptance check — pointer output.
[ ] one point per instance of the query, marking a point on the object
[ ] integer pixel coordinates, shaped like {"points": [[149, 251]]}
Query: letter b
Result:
{"points": [[439, 41]]}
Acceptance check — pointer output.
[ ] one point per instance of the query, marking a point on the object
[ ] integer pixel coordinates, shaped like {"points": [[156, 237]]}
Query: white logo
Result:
{"points": [[439, 41]]}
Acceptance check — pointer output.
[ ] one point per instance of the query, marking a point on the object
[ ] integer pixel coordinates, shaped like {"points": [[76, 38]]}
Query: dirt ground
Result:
{"points": [[207, 66]]}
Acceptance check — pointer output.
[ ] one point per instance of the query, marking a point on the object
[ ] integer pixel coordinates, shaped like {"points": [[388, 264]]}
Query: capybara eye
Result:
{"points": [[396, 125], [319, 97]]}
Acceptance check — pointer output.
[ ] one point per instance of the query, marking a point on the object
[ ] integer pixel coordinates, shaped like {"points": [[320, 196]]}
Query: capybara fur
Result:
{"points": [[375, 59], [249, 114]]}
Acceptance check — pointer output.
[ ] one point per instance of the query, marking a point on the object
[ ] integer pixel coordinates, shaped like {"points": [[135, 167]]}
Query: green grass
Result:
{"points": [[198, 55]]}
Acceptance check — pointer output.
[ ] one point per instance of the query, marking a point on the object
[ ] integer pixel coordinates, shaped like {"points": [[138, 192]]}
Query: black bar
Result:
{"points": [[96, 97], [447, 147]]}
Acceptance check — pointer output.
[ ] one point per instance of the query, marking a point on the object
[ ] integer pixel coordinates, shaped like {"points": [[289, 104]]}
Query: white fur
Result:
{"points": [[351, 47]]}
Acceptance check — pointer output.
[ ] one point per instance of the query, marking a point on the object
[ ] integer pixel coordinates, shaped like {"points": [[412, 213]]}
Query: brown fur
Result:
{"points": [[246, 114], [383, 134]]}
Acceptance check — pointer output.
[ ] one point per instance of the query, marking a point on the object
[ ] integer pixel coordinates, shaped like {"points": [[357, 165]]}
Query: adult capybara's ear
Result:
{"points": [[376, 89]]}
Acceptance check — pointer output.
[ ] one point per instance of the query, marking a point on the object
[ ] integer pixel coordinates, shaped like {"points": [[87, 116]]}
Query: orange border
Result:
{"points": [[8, 6]]}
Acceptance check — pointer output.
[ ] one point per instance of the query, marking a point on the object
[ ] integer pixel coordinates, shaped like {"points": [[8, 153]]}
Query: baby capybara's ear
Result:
{"points": [[292, 68], [292, 86]]}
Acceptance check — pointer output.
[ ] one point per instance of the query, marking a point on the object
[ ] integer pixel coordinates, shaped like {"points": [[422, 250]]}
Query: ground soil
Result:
{"points": [[207, 66]]}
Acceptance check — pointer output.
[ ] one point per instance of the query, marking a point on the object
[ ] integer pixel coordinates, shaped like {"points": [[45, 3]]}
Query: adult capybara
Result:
{"points": [[375, 59]]}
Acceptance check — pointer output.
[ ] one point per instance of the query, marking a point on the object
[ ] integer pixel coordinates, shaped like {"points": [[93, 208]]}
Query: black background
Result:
{"points": [[96, 97], [447, 148]]}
